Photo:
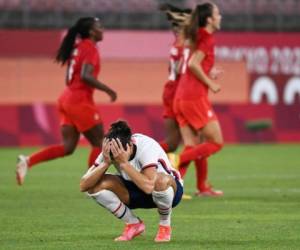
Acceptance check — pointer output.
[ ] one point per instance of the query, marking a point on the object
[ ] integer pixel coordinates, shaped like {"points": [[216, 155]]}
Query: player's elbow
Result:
{"points": [[148, 190], [85, 77], [192, 66], [83, 185]]}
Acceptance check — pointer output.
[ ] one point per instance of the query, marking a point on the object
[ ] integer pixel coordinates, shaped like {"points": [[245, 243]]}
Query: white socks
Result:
{"points": [[110, 201], [163, 201]]}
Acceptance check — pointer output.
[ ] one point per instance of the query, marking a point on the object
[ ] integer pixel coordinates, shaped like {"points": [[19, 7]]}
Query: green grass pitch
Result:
{"points": [[260, 209]]}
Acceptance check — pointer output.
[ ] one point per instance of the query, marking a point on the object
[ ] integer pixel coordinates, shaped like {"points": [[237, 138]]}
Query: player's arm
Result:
{"points": [[92, 176], [95, 173], [87, 76], [144, 180], [194, 65], [178, 64]]}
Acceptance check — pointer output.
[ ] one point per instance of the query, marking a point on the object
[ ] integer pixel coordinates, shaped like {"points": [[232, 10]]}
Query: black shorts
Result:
{"points": [[139, 199]]}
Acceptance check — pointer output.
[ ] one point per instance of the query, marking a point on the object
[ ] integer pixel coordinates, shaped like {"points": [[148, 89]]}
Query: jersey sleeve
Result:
{"points": [[99, 159], [148, 156], [91, 56], [203, 46]]}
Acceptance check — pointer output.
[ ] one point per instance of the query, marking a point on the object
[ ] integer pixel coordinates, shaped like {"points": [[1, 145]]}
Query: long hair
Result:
{"points": [[81, 28], [175, 15], [198, 20], [120, 130]]}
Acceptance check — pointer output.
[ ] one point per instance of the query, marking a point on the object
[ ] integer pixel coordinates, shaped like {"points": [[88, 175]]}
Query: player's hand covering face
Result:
{"points": [[119, 153], [106, 150]]}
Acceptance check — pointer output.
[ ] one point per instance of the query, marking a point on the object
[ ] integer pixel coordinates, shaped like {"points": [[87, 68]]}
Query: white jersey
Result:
{"points": [[148, 154]]}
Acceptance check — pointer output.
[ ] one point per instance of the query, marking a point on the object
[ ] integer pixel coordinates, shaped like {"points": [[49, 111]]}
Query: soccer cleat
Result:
{"points": [[22, 167], [163, 234], [174, 159], [186, 197], [131, 231], [209, 192]]}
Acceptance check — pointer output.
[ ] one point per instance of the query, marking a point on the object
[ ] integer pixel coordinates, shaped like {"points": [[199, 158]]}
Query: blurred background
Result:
{"points": [[258, 48]]}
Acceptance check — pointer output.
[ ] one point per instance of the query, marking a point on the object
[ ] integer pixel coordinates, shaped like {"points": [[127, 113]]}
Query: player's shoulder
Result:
{"points": [[141, 139], [86, 45]]}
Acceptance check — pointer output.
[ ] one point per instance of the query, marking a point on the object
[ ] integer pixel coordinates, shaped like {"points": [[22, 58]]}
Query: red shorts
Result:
{"points": [[82, 114], [168, 99], [196, 113]]}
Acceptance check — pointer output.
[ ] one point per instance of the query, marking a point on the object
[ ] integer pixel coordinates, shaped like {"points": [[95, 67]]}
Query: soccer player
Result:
{"points": [[145, 179], [192, 107], [178, 18], [78, 112]]}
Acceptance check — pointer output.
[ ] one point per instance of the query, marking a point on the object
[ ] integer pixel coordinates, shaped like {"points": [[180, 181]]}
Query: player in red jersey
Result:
{"points": [[78, 112], [178, 18], [193, 109]]}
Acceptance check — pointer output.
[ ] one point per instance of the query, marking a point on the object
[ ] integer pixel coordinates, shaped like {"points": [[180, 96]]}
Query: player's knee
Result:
{"points": [[69, 149], [92, 190], [218, 146], [104, 183], [219, 141], [161, 182], [173, 142], [216, 140]]}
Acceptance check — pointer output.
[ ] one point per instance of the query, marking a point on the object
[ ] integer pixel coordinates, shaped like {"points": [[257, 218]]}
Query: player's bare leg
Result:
{"points": [[212, 133], [70, 137], [95, 137], [173, 136]]}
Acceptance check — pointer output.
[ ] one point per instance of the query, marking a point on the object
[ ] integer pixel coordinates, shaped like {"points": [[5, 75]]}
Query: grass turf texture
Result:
{"points": [[260, 209]]}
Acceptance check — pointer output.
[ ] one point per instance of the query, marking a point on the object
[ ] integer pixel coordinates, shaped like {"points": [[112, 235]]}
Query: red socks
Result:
{"points": [[201, 173], [93, 155], [56, 151], [202, 150], [46, 154], [199, 154]]}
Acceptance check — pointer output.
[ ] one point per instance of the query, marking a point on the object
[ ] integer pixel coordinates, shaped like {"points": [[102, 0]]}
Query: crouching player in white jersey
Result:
{"points": [[146, 179]]}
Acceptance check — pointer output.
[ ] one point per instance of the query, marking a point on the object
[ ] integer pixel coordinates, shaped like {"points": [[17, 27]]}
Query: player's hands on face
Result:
{"points": [[121, 155], [106, 150]]}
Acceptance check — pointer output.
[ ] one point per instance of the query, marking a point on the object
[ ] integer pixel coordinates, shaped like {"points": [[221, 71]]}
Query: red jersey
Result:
{"points": [[175, 56], [190, 87], [172, 83], [85, 52]]}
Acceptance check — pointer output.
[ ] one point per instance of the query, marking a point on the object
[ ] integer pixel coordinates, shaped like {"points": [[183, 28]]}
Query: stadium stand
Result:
{"points": [[246, 15]]}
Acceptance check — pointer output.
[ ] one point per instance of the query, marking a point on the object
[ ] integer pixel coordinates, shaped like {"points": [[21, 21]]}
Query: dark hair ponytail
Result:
{"points": [[66, 47], [121, 130], [198, 20], [81, 28]]}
